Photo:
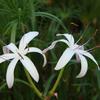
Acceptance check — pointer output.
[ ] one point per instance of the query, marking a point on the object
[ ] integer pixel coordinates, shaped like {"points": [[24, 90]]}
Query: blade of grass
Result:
{"points": [[13, 32], [52, 17], [48, 84]]}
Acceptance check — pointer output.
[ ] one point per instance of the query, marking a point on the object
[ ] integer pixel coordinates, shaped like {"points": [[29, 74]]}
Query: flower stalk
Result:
{"points": [[57, 82], [35, 89]]}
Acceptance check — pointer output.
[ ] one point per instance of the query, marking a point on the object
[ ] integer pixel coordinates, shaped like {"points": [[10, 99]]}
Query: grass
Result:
{"points": [[50, 17]]}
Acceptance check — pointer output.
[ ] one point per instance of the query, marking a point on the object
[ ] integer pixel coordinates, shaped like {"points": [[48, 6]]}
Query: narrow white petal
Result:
{"points": [[37, 50], [87, 54], [27, 63], [64, 59], [7, 57], [84, 66], [26, 39], [69, 37], [77, 58], [10, 73], [54, 43], [5, 50], [80, 48], [12, 47]]}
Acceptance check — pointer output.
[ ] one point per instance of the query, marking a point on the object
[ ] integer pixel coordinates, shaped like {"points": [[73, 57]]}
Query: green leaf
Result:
{"points": [[52, 17], [13, 32], [48, 84], [98, 77]]}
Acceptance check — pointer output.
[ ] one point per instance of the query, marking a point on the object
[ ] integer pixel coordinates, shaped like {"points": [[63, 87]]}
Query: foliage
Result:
{"points": [[49, 17]]}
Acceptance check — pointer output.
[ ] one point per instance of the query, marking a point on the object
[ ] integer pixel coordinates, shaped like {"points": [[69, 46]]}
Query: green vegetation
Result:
{"points": [[49, 17]]}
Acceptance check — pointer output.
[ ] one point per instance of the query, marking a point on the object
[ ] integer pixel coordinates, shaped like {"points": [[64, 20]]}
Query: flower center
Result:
{"points": [[75, 47], [20, 54]]}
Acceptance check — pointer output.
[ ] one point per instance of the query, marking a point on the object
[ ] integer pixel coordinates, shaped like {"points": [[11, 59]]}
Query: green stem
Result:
{"points": [[32, 9], [39, 94], [56, 83], [13, 32]]}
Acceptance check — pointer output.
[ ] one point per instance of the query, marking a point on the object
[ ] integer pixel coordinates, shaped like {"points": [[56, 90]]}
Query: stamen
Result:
{"points": [[82, 34], [90, 38], [20, 55], [93, 48], [79, 39]]}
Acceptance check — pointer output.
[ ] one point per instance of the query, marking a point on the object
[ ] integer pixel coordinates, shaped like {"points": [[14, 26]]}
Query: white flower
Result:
{"points": [[73, 48], [20, 54]]}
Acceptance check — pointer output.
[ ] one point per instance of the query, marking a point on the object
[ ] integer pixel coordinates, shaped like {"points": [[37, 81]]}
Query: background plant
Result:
{"points": [[50, 17]]}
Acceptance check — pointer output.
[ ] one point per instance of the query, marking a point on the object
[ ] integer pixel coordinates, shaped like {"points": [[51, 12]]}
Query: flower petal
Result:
{"points": [[26, 39], [12, 47], [54, 43], [65, 58], [84, 66], [7, 57], [10, 73], [87, 54], [5, 50], [69, 37], [34, 49], [27, 63]]}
